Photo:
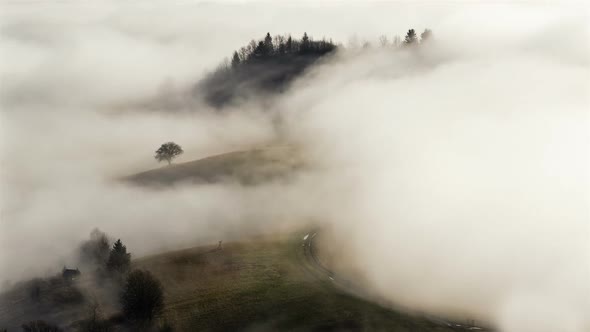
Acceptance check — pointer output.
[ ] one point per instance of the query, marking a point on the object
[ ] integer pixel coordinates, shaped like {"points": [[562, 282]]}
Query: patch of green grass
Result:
{"points": [[263, 285], [246, 167]]}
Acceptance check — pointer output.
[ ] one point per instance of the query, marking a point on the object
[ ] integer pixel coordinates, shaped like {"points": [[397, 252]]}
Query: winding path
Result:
{"points": [[310, 254]]}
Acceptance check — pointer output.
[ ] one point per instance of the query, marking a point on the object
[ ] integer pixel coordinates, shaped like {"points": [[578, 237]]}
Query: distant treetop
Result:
{"points": [[281, 45]]}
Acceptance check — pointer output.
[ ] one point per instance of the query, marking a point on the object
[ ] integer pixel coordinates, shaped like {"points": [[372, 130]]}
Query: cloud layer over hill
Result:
{"points": [[454, 176]]}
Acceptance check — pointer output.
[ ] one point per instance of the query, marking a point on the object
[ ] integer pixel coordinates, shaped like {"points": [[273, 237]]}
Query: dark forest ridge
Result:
{"points": [[270, 64], [267, 65]]}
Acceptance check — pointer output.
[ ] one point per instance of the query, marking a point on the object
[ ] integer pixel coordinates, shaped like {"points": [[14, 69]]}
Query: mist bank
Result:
{"points": [[467, 168], [453, 177]]}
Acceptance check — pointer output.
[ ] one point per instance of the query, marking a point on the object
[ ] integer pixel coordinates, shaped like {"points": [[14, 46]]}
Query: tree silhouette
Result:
{"points": [[424, 36], [96, 250], [268, 64], [280, 45], [268, 47], [397, 41], [235, 60], [142, 296], [260, 50], [119, 259], [305, 43], [168, 151], [383, 41], [411, 37], [289, 45]]}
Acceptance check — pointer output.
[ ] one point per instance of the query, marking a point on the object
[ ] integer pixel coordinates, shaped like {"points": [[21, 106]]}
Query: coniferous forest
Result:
{"points": [[271, 63]]}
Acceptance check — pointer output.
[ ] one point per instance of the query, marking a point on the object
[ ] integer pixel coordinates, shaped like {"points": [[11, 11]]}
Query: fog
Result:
{"points": [[454, 179], [470, 182]]}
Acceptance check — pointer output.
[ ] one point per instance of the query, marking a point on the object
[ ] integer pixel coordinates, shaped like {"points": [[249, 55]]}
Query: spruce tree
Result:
{"points": [[119, 259], [411, 37], [235, 60], [289, 45], [304, 43], [268, 47]]}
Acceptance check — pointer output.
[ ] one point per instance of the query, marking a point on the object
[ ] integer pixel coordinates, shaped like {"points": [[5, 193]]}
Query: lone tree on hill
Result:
{"points": [[168, 151], [119, 259], [142, 296]]}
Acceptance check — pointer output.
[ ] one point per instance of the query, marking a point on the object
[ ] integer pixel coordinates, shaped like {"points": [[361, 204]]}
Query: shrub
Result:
{"points": [[142, 296]]}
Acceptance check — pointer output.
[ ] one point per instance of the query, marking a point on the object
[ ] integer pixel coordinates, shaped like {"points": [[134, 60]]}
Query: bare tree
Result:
{"points": [[383, 41], [95, 321], [397, 41], [96, 250], [353, 42]]}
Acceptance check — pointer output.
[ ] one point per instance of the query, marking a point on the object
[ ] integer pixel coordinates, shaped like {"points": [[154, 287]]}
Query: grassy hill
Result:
{"points": [[255, 284], [264, 284], [260, 284], [246, 167]]}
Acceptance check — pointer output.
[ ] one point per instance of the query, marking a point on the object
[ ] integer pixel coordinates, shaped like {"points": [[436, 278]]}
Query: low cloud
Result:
{"points": [[454, 177]]}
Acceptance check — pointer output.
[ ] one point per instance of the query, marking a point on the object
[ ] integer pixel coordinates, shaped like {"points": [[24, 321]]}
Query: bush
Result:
{"points": [[95, 321], [142, 296]]}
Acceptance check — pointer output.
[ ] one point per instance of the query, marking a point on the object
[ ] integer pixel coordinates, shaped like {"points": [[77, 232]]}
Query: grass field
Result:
{"points": [[259, 284], [263, 285], [246, 167]]}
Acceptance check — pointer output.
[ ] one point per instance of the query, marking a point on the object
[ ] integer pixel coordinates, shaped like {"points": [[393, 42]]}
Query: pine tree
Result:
{"points": [[411, 37], [289, 45], [119, 259], [268, 48], [235, 60], [259, 51], [304, 43]]}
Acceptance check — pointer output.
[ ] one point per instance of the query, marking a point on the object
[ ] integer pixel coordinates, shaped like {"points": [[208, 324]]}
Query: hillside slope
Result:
{"points": [[259, 284], [246, 167], [263, 284]]}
